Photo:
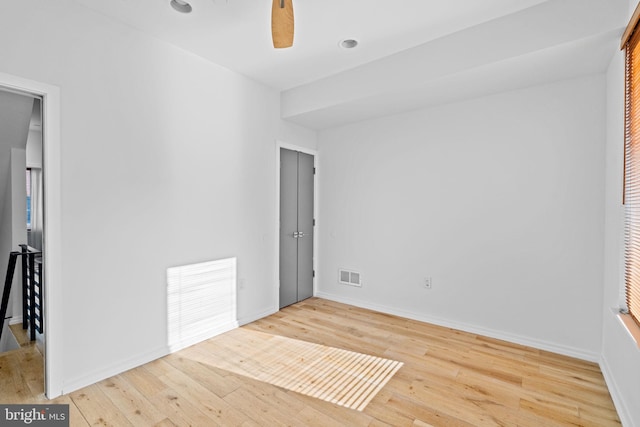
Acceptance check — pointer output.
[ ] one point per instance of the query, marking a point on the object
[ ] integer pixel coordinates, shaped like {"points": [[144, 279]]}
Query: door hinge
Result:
{"points": [[314, 222], [314, 171], [314, 273]]}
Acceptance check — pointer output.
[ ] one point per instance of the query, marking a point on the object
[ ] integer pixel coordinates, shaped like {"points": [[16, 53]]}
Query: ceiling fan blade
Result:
{"points": [[282, 23]]}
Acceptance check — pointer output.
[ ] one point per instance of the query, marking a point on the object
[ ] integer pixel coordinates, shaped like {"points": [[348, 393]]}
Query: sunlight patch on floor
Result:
{"points": [[339, 376]]}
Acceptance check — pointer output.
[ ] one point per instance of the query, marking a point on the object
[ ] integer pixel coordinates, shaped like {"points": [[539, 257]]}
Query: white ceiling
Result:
{"points": [[237, 33], [408, 48]]}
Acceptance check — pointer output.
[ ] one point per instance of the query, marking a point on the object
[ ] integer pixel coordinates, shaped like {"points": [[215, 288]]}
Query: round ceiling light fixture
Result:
{"points": [[348, 43], [181, 6]]}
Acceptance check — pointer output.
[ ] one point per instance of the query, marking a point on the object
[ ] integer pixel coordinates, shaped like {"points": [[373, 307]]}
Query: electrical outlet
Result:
{"points": [[427, 282]]}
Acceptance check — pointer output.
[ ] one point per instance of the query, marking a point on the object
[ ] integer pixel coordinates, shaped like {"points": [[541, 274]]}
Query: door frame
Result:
{"points": [[314, 153], [52, 217]]}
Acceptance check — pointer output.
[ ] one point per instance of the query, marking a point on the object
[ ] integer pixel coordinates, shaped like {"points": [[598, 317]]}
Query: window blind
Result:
{"points": [[632, 175]]}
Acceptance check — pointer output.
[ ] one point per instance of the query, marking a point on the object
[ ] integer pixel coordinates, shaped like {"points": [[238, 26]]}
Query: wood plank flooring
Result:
{"points": [[449, 378], [346, 378], [21, 335]]}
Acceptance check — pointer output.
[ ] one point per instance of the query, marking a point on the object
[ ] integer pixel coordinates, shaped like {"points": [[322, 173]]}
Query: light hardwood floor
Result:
{"points": [[449, 378]]}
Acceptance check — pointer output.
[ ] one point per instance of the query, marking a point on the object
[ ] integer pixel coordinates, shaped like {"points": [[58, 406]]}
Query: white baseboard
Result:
{"points": [[616, 396], [501, 335], [252, 318], [15, 320], [115, 369]]}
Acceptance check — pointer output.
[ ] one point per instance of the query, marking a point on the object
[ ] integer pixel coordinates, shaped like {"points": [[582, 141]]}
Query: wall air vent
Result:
{"points": [[349, 277]]}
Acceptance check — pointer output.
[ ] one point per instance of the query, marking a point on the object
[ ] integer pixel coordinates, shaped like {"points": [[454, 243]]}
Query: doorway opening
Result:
{"points": [[38, 105], [296, 242], [22, 228]]}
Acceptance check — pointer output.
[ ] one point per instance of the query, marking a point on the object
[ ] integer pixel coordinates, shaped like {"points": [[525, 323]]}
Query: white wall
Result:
{"points": [[620, 356], [34, 149], [166, 160], [15, 111], [13, 231], [498, 199], [18, 221]]}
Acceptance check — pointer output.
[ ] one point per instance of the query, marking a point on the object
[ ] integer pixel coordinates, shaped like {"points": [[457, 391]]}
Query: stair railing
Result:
{"points": [[32, 303], [13, 256]]}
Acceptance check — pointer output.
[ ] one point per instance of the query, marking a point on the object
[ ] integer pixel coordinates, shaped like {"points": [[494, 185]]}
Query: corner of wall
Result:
{"points": [[619, 360]]}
